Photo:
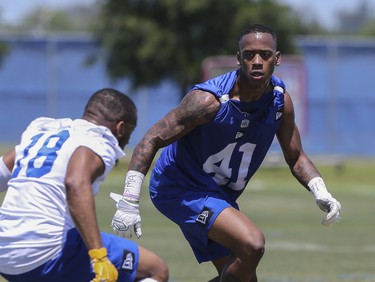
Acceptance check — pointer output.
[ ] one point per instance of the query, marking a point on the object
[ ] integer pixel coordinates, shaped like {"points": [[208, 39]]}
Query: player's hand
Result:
{"points": [[325, 201], [104, 270], [332, 207], [126, 218]]}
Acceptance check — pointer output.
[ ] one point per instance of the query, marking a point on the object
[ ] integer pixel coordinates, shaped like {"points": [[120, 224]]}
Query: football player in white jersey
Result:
{"points": [[48, 225]]}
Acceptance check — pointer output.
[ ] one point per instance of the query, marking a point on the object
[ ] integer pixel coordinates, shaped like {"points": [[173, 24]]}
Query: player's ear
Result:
{"points": [[120, 129], [238, 58], [278, 58]]}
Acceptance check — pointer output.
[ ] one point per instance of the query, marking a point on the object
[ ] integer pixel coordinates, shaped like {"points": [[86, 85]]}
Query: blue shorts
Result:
{"points": [[195, 212], [73, 264]]}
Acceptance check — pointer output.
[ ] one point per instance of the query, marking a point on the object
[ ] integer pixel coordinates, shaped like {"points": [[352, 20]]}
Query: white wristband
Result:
{"points": [[133, 185], [5, 175], [318, 188]]}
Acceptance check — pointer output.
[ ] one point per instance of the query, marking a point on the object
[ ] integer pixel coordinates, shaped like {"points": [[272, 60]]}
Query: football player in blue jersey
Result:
{"points": [[48, 225], [215, 140]]}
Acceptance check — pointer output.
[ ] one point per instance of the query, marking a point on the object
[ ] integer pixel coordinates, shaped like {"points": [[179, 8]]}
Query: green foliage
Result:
{"points": [[152, 40], [369, 28], [4, 50]]}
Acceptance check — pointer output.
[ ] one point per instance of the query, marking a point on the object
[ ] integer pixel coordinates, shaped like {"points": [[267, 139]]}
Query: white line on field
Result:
{"points": [[314, 247]]}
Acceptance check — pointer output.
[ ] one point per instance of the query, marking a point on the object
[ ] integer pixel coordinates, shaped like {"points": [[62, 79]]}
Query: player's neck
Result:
{"points": [[247, 92]]}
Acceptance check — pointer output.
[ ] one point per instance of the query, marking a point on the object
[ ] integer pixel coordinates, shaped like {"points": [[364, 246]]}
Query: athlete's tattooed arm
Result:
{"points": [[196, 108]]}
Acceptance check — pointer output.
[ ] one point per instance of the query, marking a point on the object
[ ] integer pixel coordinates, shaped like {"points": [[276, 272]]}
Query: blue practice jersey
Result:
{"points": [[223, 154]]}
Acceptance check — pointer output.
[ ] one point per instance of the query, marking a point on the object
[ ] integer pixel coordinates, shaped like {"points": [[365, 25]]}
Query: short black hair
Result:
{"points": [[254, 28], [112, 105]]}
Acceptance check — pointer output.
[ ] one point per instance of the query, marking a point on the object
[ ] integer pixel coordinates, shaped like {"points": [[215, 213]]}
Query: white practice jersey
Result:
{"points": [[34, 217]]}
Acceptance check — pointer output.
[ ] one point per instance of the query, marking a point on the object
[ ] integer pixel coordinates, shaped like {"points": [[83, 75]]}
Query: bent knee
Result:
{"points": [[151, 266], [162, 270], [254, 246]]}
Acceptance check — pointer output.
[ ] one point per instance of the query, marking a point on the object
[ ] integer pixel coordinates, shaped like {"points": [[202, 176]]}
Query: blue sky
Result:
{"points": [[324, 10]]}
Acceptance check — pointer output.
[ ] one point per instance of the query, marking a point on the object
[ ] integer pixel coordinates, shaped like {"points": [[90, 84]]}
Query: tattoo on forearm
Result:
{"points": [[304, 170], [194, 109]]}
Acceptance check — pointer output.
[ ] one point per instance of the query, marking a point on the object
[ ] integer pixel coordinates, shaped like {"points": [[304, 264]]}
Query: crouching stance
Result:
{"points": [[48, 225], [213, 142]]}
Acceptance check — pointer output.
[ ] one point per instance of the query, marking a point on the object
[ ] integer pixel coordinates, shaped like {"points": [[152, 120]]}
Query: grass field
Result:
{"points": [[298, 247]]}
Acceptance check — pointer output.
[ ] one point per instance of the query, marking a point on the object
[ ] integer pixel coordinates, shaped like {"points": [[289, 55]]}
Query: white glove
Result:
{"points": [[325, 201], [126, 217]]}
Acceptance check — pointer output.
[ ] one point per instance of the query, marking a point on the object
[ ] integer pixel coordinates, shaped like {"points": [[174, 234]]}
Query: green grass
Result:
{"points": [[298, 247]]}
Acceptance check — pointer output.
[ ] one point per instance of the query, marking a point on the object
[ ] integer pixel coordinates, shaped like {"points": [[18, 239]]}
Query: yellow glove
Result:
{"points": [[104, 270]]}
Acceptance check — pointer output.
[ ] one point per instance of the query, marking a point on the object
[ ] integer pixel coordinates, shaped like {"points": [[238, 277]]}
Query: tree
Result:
{"points": [[369, 28], [4, 50], [151, 40]]}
